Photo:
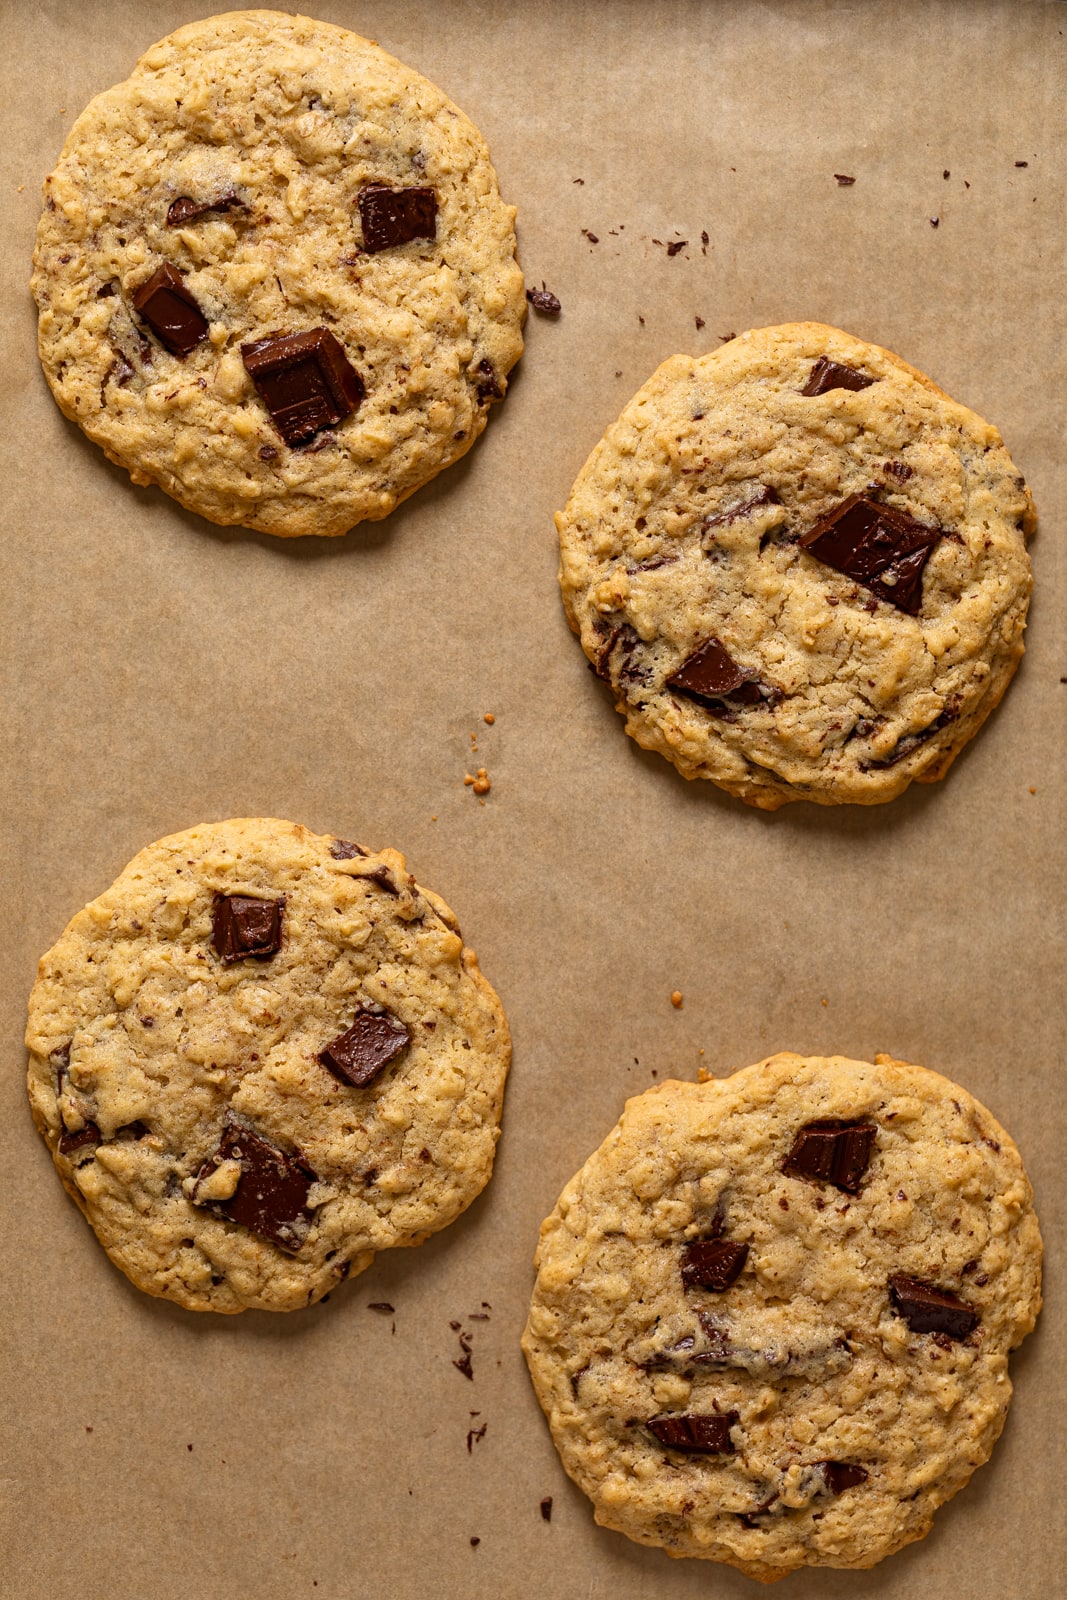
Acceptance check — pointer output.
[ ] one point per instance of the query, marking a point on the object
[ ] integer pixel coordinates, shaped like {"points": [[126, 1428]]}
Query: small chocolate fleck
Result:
{"points": [[358, 1055], [929, 1309], [676, 245], [267, 452], [899, 470], [545, 301], [592, 237], [826, 374], [713, 677], [345, 850], [381, 1305], [396, 216], [935, 222], [546, 1508], [765, 497], [305, 380], [185, 209], [841, 1475], [242, 927], [696, 1434], [843, 179], [272, 1191], [713, 1264], [833, 1152], [170, 311], [1022, 163], [876, 545]]}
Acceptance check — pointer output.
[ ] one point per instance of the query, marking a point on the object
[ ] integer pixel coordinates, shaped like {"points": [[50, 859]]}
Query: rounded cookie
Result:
{"points": [[773, 1313], [801, 568], [261, 1056], [275, 275]]}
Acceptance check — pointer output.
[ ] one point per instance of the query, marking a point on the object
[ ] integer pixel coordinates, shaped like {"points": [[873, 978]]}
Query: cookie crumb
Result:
{"points": [[479, 782], [823, 1002], [676, 999], [1032, 789], [489, 717]]}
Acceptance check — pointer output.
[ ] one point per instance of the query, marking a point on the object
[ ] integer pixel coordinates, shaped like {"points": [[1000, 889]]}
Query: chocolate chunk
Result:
{"points": [[544, 300], [712, 1264], [359, 1054], [765, 497], [696, 1434], [834, 1152], [305, 380], [185, 209], [827, 374], [618, 662], [712, 676], [911, 741], [345, 850], [928, 1309], [384, 879], [878, 546], [170, 311], [487, 384], [70, 1142], [396, 216], [242, 927], [841, 1475], [272, 1189]]}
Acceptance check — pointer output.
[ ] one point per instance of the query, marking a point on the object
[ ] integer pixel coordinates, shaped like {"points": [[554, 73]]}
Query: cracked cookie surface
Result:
{"points": [[773, 1312], [286, 177], [261, 1056], [800, 567]]}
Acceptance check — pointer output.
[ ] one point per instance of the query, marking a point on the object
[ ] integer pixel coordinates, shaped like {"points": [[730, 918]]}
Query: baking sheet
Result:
{"points": [[335, 1452]]}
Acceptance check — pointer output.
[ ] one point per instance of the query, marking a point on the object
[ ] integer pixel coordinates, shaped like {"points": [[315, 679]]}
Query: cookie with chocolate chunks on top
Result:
{"points": [[800, 567], [773, 1311], [261, 1056], [295, 326]]}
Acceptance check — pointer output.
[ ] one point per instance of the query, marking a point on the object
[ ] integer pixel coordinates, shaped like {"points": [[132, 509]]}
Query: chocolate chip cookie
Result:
{"points": [[773, 1313], [275, 275], [260, 1057], [800, 567]]}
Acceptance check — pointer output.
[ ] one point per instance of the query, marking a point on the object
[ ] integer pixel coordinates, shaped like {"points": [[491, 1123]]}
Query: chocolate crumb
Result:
{"points": [[946, 173], [544, 300], [474, 1435], [699, 321], [381, 1305], [843, 179], [704, 242], [676, 245], [546, 1508], [1022, 163], [475, 1541], [726, 337], [935, 222], [590, 236]]}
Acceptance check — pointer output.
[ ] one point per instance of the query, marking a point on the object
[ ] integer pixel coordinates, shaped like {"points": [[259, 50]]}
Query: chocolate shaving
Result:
{"points": [[242, 927], [832, 1152], [929, 1309], [392, 217], [170, 311], [272, 1191], [827, 374], [357, 1056], [878, 546], [695, 1433]]}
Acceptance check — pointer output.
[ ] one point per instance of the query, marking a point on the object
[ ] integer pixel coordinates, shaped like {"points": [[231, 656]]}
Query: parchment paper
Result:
{"points": [[154, 1453]]}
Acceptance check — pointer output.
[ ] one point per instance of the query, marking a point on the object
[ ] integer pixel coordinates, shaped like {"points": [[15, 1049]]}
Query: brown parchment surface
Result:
{"points": [[159, 671]]}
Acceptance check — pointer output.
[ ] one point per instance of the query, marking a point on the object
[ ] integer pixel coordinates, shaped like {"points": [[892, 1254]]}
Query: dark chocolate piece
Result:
{"points": [[487, 383], [305, 380], [911, 741], [242, 927], [615, 661], [696, 1434], [765, 497], [396, 216], [185, 209], [545, 301], [70, 1142], [713, 1264], [827, 374], [878, 546], [345, 850], [170, 311], [833, 1152], [841, 1475], [272, 1191], [383, 878], [546, 1508], [359, 1054], [928, 1309], [712, 676]]}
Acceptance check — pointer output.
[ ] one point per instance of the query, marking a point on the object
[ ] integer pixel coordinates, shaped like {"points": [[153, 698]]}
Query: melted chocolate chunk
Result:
{"points": [[305, 380], [242, 927], [487, 383], [841, 1475], [70, 1142], [345, 850], [696, 1434], [272, 1190], [359, 1054], [911, 741], [833, 1152], [712, 1264], [616, 662], [396, 216], [878, 546], [928, 1309], [185, 209], [766, 497], [170, 311], [712, 676], [827, 374], [545, 301]]}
